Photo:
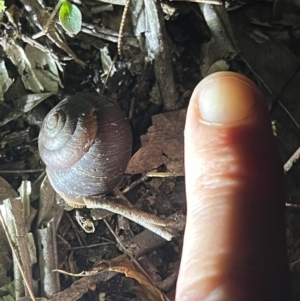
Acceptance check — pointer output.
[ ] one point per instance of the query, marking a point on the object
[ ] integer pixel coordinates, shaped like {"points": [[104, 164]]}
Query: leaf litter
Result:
{"points": [[166, 48]]}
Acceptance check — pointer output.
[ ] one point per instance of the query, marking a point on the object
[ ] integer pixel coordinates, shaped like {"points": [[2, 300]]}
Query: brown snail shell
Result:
{"points": [[85, 142]]}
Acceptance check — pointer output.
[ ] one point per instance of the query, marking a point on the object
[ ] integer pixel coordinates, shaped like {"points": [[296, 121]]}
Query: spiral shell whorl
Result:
{"points": [[95, 150], [67, 131]]}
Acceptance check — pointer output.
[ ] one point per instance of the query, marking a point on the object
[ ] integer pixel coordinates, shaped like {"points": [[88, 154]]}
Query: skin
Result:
{"points": [[234, 244]]}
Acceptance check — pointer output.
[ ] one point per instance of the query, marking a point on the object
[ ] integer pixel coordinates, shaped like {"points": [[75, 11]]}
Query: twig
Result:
{"points": [[126, 252], [16, 257], [22, 171], [120, 195], [92, 246], [25, 191], [135, 183], [50, 20], [39, 179], [64, 241], [76, 230], [290, 162], [290, 115], [292, 205], [162, 227], [39, 46], [108, 74], [215, 2], [159, 49], [131, 108], [66, 230], [106, 34], [120, 42], [155, 174]]}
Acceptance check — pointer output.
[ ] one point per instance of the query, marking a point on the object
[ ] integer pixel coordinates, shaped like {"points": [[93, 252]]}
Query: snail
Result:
{"points": [[85, 142]]}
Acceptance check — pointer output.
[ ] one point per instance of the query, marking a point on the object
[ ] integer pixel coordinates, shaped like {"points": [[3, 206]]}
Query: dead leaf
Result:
{"points": [[44, 67], [146, 291], [6, 191], [222, 46], [23, 251], [122, 264], [106, 62], [19, 58], [24, 105], [5, 80], [163, 144]]}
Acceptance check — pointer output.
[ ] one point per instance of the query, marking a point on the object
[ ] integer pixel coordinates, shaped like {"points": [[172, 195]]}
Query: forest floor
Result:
{"points": [[165, 50]]}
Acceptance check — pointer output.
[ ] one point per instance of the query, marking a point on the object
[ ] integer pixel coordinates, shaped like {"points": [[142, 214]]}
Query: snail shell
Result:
{"points": [[85, 142]]}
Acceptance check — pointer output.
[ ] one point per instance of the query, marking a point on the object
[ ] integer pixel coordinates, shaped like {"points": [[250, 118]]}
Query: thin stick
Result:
{"points": [[292, 205], [126, 252], [121, 30], [215, 2], [22, 171], [92, 246], [155, 174], [64, 241], [290, 115], [162, 227], [75, 230], [290, 162], [135, 183], [108, 74], [39, 178], [17, 257], [50, 20], [131, 108]]}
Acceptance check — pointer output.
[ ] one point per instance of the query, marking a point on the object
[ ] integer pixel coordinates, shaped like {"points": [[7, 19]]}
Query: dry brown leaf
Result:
{"points": [[146, 291], [163, 144]]}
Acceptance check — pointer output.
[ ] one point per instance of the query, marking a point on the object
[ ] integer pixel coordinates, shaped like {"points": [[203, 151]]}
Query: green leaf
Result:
{"points": [[2, 5], [70, 18]]}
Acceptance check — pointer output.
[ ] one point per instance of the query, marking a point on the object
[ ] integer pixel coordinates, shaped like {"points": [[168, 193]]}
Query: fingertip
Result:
{"points": [[226, 97], [233, 175]]}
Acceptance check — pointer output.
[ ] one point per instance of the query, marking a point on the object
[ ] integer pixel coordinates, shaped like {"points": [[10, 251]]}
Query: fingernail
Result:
{"points": [[226, 97]]}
